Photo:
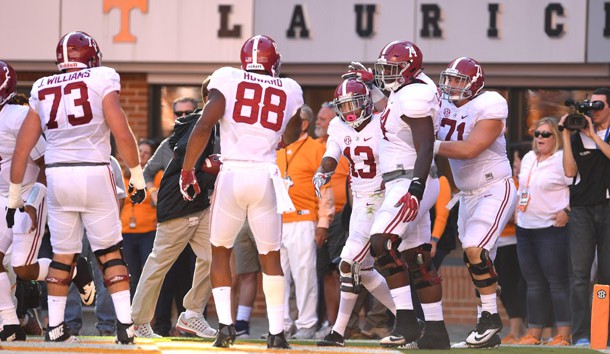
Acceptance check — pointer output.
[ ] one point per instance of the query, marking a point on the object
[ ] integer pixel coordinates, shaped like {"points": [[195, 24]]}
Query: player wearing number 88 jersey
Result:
{"points": [[355, 134], [255, 109], [471, 135], [78, 109]]}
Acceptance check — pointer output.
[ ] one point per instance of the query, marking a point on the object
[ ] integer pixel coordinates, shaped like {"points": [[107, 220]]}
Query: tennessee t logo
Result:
{"points": [[125, 7]]}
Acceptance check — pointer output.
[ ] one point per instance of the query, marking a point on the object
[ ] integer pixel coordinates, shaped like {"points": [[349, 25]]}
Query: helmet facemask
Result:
{"points": [[457, 90], [354, 109], [389, 76]]}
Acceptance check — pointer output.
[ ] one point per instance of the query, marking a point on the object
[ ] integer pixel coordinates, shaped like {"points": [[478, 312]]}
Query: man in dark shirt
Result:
{"points": [[180, 222], [586, 158]]}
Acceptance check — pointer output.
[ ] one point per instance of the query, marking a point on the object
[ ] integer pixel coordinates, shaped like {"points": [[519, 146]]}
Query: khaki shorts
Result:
{"points": [[245, 252]]}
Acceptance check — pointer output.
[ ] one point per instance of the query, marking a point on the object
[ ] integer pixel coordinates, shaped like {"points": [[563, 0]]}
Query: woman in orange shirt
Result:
{"points": [[139, 223]]}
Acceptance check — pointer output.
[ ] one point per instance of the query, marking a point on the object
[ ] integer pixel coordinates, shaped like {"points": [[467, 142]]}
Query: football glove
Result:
{"points": [[320, 179], [137, 186], [409, 203], [187, 179]]}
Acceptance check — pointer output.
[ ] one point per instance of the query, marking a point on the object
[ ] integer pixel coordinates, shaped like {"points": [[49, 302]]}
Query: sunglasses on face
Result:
{"points": [[538, 134], [182, 113]]}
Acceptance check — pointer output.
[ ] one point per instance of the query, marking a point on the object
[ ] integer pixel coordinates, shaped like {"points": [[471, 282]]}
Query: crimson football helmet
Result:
{"points": [[260, 53], [398, 63], [462, 79], [353, 102], [8, 82], [77, 50]]}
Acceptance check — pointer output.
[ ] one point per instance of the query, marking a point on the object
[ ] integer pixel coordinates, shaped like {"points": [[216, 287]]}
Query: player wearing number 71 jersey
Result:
{"points": [[255, 109], [78, 109], [471, 133], [355, 134]]}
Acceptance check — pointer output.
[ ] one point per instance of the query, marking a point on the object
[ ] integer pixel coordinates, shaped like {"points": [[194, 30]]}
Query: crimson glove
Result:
{"points": [[187, 179], [409, 203]]}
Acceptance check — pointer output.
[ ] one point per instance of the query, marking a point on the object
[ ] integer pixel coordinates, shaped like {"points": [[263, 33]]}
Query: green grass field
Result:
{"points": [[183, 345]]}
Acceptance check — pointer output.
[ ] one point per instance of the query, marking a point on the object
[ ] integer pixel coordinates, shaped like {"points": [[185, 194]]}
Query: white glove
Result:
{"points": [[320, 179]]}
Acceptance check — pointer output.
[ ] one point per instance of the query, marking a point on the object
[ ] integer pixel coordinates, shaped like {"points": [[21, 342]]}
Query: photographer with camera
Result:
{"points": [[586, 159]]}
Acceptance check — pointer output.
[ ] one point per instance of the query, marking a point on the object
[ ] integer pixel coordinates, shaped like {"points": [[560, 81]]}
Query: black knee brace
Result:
{"points": [[422, 271], [485, 267], [350, 281], [115, 262], [68, 268], [385, 251]]}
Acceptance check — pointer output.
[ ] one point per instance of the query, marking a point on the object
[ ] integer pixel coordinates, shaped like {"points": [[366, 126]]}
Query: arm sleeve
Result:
{"points": [[157, 161], [442, 213]]}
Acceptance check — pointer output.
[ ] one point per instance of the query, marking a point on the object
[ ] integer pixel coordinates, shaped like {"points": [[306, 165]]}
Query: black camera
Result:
{"points": [[576, 120]]}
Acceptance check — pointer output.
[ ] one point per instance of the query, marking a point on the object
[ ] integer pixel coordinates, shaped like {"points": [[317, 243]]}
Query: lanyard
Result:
{"points": [[293, 155], [534, 166]]}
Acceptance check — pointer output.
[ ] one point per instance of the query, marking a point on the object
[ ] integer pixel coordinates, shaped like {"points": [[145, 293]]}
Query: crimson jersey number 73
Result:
{"points": [[255, 103], [78, 94]]}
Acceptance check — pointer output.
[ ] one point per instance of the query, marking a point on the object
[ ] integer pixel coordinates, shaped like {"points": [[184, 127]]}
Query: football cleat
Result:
{"points": [[406, 330], [488, 325], [225, 337], [435, 336], [11, 333], [125, 333], [333, 339], [59, 333], [277, 341]]}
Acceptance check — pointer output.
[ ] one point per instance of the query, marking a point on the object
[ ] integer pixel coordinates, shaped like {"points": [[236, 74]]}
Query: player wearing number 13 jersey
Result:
{"points": [[471, 135], [255, 109], [355, 134], [78, 109]]}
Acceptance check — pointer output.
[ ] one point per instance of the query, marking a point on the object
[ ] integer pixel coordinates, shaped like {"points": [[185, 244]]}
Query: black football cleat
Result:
{"points": [[488, 325], [277, 341], [59, 333], [125, 333], [406, 330], [11, 333], [333, 339], [225, 336], [435, 336]]}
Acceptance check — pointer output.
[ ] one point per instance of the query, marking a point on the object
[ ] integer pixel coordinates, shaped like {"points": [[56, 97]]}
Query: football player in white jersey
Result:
{"points": [[471, 135], [25, 234], [401, 232], [255, 109], [77, 110], [355, 133]]}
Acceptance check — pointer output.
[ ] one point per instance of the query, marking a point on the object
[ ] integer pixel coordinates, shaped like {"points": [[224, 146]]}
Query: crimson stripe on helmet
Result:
{"points": [[457, 61], [383, 52]]}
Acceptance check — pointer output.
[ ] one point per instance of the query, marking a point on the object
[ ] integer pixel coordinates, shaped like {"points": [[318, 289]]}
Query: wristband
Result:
{"points": [[417, 188], [376, 94], [137, 177], [567, 211], [436, 148], [14, 196], [434, 239]]}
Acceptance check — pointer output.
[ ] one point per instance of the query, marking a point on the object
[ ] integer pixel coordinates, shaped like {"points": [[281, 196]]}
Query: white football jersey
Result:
{"points": [[361, 150], [416, 100], [11, 119], [457, 123], [71, 114], [257, 110]]}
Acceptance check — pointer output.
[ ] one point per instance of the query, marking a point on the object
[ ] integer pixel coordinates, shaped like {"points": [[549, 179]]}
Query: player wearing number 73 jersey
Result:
{"points": [[471, 133], [255, 108], [355, 133], [78, 109]]}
